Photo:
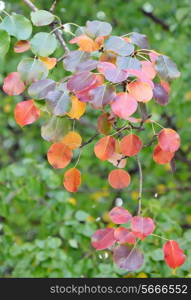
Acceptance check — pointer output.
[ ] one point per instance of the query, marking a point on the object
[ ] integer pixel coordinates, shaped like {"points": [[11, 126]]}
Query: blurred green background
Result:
{"points": [[44, 230]]}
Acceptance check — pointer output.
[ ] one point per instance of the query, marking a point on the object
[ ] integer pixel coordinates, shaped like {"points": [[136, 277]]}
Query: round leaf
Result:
{"points": [[13, 85], [131, 145], [105, 147], [26, 113], [169, 140], [162, 157], [119, 179], [72, 180], [32, 70], [4, 42], [17, 26], [103, 238], [59, 155], [124, 105], [42, 17], [43, 44], [119, 215], [128, 258]]}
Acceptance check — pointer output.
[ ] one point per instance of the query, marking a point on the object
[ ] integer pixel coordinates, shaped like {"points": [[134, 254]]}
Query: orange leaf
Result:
{"points": [[26, 113], [169, 140], [105, 148], [119, 179], [141, 91], [108, 57], [162, 157], [131, 145], [59, 155], [85, 43], [73, 140], [13, 85], [21, 46], [78, 108], [72, 180], [50, 62]]}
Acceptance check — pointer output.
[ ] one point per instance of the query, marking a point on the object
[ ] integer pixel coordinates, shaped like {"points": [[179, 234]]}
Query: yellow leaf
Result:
{"points": [[78, 108], [73, 140], [50, 62]]}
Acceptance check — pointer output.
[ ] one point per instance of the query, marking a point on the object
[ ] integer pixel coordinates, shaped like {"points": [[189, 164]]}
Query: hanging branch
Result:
{"points": [[140, 187], [53, 26]]}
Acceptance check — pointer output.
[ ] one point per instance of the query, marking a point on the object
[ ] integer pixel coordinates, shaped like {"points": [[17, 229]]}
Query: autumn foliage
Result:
{"points": [[116, 76]]}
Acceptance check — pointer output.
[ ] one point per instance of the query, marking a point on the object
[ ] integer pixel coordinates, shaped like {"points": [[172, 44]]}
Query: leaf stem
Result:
{"points": [[156, 235], [140, 186]]}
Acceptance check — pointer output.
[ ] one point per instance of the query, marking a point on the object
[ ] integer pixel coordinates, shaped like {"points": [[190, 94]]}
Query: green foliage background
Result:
{"points": [[44, 230]]}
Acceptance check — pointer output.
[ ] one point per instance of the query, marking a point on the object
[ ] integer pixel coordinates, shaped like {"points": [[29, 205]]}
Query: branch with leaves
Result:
{"points": [[113, 75]]}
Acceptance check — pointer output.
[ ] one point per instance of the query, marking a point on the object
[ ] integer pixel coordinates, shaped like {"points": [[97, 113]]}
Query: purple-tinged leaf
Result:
{"points": [[87, 65], [81, 82], [74, 59], [160, 94], [140, 40], [58, 102], [124, 63], [166, 68], [97, 28], [40, 89], [128, 258], [119, 46], [102, 95]]}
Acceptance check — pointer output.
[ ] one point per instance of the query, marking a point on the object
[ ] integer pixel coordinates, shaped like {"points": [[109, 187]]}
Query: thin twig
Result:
{"points": [[53, 26], [89, 141], [31, 5], [140, 186]]}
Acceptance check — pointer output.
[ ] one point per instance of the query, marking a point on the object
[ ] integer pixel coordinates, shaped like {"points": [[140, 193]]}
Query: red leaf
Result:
{"points": [[174, 256], [131, 145], [105, 147], [124, 235], [21, 46], [72, 180], [119, 215], [162, 157], [119, 179], [141, 76], [128, 258], [169, 140], [142, 227], [13, 85], [26, 113], [59, 155], [124, 105], [103, 238]]}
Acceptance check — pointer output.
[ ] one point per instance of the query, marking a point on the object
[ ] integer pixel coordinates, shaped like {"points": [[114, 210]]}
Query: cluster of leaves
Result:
{"points": [[130, 257], [114, 74]]}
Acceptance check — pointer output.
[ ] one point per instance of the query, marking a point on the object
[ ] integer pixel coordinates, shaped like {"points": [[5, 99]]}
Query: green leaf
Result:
{"points": [[55, 129], [4, 42], [43, 44], [17, 26], [39, 89], [42, 17], [31, 70], [166, 68], [81, 215]]}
